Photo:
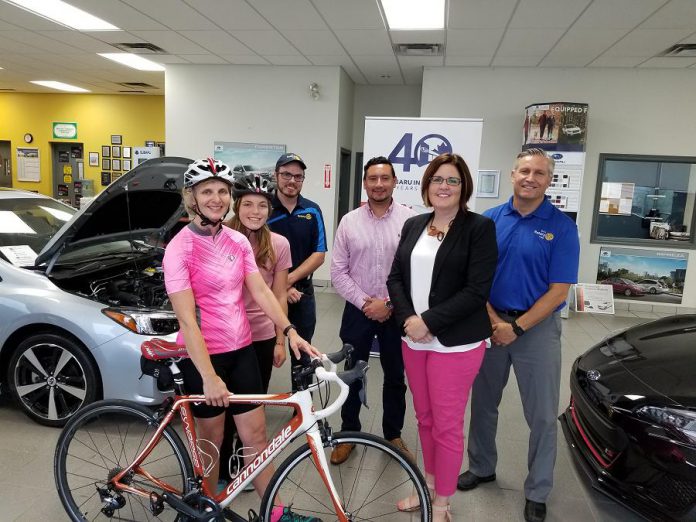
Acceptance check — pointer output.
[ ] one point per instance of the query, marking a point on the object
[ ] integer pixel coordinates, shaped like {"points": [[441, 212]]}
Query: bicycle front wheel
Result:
{"points": [[369, 484], [100, 441]]}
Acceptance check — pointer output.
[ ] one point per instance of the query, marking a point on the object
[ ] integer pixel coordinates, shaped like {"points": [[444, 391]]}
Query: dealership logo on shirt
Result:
{"points": [[305, 216], [548, 236]]}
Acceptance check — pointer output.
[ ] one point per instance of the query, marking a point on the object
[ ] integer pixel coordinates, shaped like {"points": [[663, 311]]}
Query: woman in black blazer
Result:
{"points": [[439, 284]]}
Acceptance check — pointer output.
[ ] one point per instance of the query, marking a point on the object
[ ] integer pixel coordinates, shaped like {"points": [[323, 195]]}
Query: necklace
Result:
{"points": [[435, 232]]}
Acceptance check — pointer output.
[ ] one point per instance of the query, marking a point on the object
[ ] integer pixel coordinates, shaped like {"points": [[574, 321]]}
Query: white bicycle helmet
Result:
{"points": [[252, 184], [208, 168]]}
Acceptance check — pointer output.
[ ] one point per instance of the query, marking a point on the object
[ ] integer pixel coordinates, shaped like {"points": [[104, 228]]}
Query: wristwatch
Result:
{"points": [[288, 328], [519, 331], [388, 304]]}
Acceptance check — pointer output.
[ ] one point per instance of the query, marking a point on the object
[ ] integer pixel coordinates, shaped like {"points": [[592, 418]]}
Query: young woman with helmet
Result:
{"points": [[206, 268]]}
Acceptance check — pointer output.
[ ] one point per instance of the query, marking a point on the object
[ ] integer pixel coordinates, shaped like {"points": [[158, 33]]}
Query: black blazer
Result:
{"points": [[462, 277]]}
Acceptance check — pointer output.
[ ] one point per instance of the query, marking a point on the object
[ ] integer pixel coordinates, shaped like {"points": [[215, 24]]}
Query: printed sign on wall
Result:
{"points": [[411, 143]]}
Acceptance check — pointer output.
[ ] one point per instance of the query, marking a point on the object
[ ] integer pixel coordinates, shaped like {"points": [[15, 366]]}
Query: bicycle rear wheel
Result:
{"points": [[103, 439], [369, 484]]}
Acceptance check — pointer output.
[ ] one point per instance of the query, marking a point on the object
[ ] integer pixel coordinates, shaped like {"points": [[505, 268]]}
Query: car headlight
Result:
{"points": [[144, 322], [683, 421]]}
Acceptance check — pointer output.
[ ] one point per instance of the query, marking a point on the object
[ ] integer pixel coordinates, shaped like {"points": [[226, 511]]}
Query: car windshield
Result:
{"points": [[31, 221]]}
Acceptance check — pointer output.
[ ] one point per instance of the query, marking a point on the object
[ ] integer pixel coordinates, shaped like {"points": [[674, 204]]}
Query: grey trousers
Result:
{"points": [[536, 359]]}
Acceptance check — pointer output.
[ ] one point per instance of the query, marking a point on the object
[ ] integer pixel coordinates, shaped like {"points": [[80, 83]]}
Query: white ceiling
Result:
{"points": [[347, 33]]}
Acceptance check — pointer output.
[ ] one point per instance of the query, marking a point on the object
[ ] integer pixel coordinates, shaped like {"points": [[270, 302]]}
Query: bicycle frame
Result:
{"points": [[304, 422]]}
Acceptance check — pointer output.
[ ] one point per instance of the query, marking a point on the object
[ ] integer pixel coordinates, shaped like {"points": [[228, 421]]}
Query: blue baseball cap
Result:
{"points": [[289, 158]]}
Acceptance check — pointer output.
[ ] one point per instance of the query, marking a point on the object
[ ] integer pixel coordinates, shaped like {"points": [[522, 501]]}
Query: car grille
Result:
{"points": [[604, 456], [676, 494]]}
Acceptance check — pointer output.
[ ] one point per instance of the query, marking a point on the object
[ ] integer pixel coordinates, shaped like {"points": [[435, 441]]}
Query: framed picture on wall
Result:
{"points": [[115, 164], [126, 152], [488, 184], [126, 165], [116, 151], [105, 178], [106, 151], [93, 159], [116, 139], [106, 164], [149, 143]]}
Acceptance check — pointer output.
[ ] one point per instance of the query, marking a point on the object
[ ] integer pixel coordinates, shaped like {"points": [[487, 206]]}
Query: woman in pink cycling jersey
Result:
{"points": [[206, 268]]}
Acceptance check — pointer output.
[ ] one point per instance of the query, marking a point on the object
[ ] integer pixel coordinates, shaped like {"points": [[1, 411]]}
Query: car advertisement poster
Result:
{"points": [[249, 158], [560, 128], [598, 299], [654, 276], [411, 143]]}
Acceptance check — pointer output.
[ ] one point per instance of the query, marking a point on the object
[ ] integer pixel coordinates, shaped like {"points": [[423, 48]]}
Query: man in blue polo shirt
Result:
{"points": [[301, 222], [538, 251]]}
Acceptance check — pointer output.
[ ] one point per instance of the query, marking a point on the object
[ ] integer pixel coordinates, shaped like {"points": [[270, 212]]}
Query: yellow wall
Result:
{"points": [[98, 116]]}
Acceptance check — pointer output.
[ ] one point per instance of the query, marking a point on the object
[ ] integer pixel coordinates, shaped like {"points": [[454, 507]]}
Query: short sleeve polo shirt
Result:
{"points": [[533, 251], [303, 228]]}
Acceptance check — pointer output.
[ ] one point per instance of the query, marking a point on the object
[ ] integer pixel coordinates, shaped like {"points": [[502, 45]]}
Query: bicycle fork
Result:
{"points": [[316, 445]]}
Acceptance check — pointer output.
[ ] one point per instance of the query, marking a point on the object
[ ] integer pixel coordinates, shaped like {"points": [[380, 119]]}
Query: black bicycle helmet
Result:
{"points": [[205, 169], [252, 184]]}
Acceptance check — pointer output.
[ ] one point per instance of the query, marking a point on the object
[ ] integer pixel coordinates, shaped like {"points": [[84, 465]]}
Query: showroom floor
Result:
{"points": [[27, 490]]}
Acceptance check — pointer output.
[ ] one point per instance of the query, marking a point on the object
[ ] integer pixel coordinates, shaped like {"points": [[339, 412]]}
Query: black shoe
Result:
{"points": [[468, 480], [534, 511]]}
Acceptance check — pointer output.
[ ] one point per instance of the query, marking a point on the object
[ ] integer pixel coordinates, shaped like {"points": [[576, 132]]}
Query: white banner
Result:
{"points": [[411, 143]]}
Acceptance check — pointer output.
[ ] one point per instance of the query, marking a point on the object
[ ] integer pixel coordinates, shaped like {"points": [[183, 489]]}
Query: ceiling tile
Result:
{"points": [[472, 42], [480, 14], [231, 14], [542, 14], [36, 40], [664, 62], [171, 41], [468, 61], [24, 19], [174, 14], [121, 14], [646, 42], [616, 61], [421, 61], [343, 60], [314, 42], [523, 42], [266, 42], [216, 41], [293, 14], [112, 37], [677, 14], [81, 41], [516, 61], [425, 37], [245, 59], [284, 59], [204, 58], [353, 14], [581, 46], [617, 14], [364, 42]]}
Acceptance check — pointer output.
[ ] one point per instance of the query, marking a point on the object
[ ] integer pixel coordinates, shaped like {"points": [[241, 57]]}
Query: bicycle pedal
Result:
{"points": [[156, 503]]}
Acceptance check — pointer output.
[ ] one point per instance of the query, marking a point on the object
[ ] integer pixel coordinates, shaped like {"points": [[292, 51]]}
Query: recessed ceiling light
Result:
{"points": [[414, 14], [59, 86], [64, 14], [134, 61]]}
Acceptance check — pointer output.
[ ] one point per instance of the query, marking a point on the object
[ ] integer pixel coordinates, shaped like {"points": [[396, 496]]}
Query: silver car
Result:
{"points": [[80, 292]]}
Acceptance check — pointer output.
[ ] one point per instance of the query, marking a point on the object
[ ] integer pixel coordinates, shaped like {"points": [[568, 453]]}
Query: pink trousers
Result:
{"points": [[440, 385]]}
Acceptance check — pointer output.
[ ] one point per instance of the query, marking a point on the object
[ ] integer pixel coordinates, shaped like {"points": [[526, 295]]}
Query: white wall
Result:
{"points": [[631, 111], [259, 104]]}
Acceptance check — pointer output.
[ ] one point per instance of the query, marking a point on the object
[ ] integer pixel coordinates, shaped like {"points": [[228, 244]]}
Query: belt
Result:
{"points": [[512, 313]]}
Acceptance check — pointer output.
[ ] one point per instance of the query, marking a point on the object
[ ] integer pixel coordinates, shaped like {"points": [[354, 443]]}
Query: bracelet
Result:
{"points": [[288, 328], [280, 343]]}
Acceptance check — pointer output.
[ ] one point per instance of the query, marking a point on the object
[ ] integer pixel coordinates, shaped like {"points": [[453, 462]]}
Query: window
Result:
{"points": [[645, 200]]}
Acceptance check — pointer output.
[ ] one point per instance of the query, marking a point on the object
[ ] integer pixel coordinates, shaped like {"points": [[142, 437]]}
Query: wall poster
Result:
{"points": [[560, 128], [598, 299], [411, 143], [655, 276], [249, 158], [28, 164]]}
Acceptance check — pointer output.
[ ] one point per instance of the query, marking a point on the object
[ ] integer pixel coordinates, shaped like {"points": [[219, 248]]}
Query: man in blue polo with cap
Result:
{"points": [[301, 222], [538, 255]]}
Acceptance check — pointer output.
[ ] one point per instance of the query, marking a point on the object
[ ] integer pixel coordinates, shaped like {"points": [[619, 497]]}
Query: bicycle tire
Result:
{"points": [[106, 436], [369, 483]]}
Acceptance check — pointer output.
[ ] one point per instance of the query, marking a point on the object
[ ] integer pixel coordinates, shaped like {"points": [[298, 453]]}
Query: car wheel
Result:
{"points": [[627, 292], [51, 377], [653, 291]]}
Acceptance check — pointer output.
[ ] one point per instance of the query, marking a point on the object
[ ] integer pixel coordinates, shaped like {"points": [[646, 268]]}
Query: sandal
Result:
{"points": [[443, 510], [411, 504]]}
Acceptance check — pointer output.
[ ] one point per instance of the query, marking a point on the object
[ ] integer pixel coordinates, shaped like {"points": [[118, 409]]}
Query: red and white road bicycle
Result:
{"points": [[120, 460]]}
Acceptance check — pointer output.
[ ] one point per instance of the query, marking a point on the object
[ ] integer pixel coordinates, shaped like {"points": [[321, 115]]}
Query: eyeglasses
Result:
{"points": [[452, 182], [287, 176]]}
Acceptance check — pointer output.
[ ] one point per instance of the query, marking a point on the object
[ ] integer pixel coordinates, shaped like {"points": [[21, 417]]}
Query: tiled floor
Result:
{"points": [[27, 490]]}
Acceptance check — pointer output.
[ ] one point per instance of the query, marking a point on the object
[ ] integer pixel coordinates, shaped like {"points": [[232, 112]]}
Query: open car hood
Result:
{"points": [[145, 202]]}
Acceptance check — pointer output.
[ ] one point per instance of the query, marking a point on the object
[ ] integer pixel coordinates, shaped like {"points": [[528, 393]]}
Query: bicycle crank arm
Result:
{"points": [[215, 514]]}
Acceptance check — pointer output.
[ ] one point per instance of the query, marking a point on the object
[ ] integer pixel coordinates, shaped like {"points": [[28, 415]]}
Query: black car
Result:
{"points": [[631, 422]]}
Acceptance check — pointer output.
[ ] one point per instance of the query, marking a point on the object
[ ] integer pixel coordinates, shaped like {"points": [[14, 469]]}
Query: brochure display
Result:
{"points": [[594, 298]]}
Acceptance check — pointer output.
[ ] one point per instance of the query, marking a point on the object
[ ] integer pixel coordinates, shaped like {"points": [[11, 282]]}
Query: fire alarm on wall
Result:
{"points": [[28, 138]]}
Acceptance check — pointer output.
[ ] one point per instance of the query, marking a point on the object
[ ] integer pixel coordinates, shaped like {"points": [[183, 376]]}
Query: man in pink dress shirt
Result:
{"points": [[364, 248]]}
